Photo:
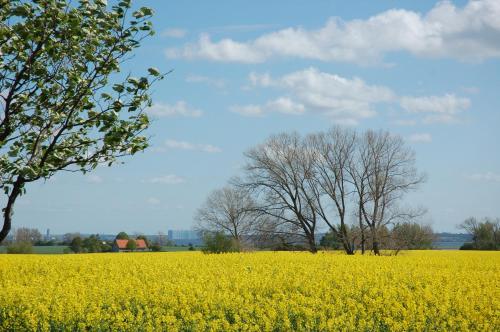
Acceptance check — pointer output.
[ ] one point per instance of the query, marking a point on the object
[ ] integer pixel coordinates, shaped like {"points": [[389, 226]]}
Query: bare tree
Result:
{"points": [[411, 235], [383, 171], [25, 234], [331, 155], [277, 173], [229, 210]]}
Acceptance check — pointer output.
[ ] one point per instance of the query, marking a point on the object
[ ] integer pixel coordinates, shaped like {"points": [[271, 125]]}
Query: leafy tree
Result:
{"points": [[58, 108], [485, 234], [68, 238], [131, 244], [330, 241], [218, 242], [76, 244], [92, 244], [122, 236]]}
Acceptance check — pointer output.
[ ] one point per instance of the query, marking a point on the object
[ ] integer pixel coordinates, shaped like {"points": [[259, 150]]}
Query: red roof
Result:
{"points": [[140, 244]]}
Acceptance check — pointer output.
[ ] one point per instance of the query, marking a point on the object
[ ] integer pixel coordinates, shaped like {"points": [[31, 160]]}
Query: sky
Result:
{"points": [[244, 70]]}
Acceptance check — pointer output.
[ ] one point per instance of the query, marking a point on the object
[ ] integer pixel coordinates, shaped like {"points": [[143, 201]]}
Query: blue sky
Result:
{"points": [[243, 70]]}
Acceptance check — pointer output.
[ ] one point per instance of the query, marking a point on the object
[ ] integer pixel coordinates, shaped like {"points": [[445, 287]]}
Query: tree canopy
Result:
{"points": [[63, 103]]}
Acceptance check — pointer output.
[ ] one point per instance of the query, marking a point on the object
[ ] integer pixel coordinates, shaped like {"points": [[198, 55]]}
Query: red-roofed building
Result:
{"points": [[121, 245]]}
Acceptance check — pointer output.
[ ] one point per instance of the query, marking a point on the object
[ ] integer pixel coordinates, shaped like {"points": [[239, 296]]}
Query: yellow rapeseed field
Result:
{"points": [[263, 291]]}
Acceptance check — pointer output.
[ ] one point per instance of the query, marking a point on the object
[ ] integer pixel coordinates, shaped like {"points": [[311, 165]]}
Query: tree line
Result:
{"points": [[485, 233], [353, 183]]}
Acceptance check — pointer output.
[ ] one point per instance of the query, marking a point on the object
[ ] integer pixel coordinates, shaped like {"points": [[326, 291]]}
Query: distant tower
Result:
{"points": [[47, 236]]}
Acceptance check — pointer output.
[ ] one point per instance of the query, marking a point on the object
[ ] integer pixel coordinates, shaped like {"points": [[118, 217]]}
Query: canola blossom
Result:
{"points": [[262, 291]]}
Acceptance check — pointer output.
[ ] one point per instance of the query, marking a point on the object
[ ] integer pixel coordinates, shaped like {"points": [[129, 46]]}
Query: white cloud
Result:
{"points": [[174, 33], [420, 138], [153, 201], [94, 179], [216, 82], [488, 177], [446, 31], [447, 104], [285, 105], [167, 179], [209, 148], [440, 109], [224, 50], [181, 108], [247, 110], [183, 145], [344, 100]]}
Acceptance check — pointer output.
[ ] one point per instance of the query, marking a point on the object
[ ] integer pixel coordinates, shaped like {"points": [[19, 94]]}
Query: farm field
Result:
{"points": [[42, 249], [268, 291]]}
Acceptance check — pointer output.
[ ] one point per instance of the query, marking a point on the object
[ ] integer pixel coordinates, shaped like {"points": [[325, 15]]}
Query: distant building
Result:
{"points": [[121, 245], [47, 235]]}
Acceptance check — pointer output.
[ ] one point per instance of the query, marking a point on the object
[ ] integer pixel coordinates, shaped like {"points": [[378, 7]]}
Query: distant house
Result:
{"points": [[121, 245]]}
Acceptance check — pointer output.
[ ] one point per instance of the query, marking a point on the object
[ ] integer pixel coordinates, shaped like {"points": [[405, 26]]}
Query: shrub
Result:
{"points": [[467, 246], [22, 247], [155, 247], [218, 242]]}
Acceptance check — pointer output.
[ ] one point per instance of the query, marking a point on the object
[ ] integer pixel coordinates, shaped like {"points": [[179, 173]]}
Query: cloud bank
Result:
{"points": [[470, 33]]}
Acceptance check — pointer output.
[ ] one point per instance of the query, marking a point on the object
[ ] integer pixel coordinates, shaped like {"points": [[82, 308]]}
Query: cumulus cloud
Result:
{"points": [[167, 179], [181, 108], [488, 177], [285, 105], [183, 145], [440, 109], [174, 33], [344, 100], [468, 33], [420, 138], [224, 50]]}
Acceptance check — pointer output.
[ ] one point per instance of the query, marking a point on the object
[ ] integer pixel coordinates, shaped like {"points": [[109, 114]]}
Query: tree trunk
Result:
{"points": [[345, 239], [347, 248], [9, 209], [312, 244], [363, 241], [361, 229], [376, 248]]}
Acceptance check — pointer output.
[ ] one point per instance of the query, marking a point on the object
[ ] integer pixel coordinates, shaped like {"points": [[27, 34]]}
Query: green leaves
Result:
{"points": [[21, 11], [67, 107], [118, 88], [154, 71], [142, 12]]}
